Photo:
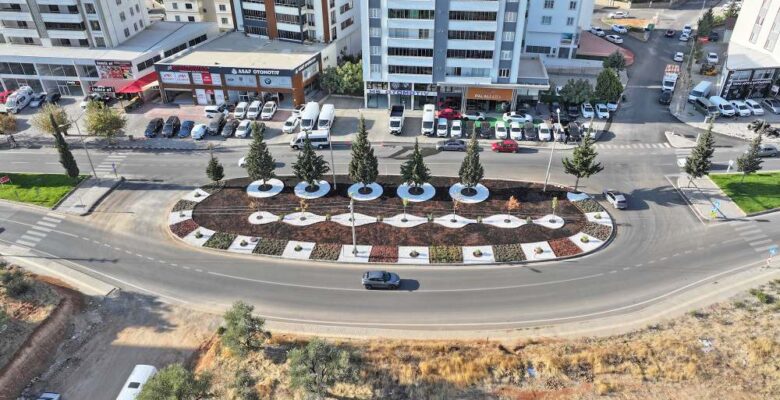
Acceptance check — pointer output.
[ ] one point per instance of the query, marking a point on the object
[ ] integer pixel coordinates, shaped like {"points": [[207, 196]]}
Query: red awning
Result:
{"points": [[107, 85], [137, 85]]}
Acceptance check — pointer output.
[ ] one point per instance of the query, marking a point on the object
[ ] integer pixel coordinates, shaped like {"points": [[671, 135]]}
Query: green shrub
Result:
{"points": [[588, 205], [508, 253], [762, 297], [445, 254], [271, 247], [213, 187], [220, 240], [17, 286]]}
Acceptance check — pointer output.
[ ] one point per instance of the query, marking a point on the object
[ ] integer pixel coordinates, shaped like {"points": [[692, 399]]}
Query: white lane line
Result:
{"points": [[742, 226], [150, 258], [31, 238], [36, 233], [85, 238], [626, 268], [198, 270], [638, 265], [52, 220], [613, 272], [20, 162], [185, 267], [731, 240], [754, 237], [95, 241], [760, 242], [675, 254], [763, 248], [664, 258], [41, 223], [28, 244], [750, 232], [129, 252], [107, 245], [139, 255]]}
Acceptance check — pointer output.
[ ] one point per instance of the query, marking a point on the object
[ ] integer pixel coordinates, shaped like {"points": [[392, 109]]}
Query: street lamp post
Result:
{"points": [[552, 150], [83, 143], [352, 219]]}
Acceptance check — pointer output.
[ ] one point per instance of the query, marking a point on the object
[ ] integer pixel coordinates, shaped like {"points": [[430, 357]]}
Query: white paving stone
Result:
{"points": [[375, 193], [428, 192], [577, 196], [486, 257], [363, 253], [360, 219], [196, 195], [604, 219], [308, 219], [404, 256], [253, 190], [454, 221], [178, 216], [262, 218], [500, 221], [198, 242], [530, 251], [300, 190], [302, 254], [482, 193], [411, 221], [592, 243], [236, 246], [550, 221]]}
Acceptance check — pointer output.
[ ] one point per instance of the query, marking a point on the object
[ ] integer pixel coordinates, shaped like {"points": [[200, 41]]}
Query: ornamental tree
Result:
{"points": [[175, 382], [699, 163], [583, 163], [243, 331], [103, 121], [310, 167], [42, 122], [414, 171], [471, 170], [750, 161], [363, 167], [260, 164], [318, 366], [608, 86], [615, 61], [214, 170], [576, 92]]}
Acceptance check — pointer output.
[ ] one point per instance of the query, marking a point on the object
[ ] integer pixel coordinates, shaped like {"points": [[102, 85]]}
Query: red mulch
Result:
{"points": [[564, 247], [384, 254], [228, 211], [184, 228]]}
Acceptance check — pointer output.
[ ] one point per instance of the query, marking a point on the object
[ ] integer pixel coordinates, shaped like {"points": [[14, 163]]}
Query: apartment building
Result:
{"points": [[752, 65], [465, 54], [218, 11]]}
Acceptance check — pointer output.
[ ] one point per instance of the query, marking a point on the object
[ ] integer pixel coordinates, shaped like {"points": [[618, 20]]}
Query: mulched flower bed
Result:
{"points": [[383, 254], [220, 240], [588, 205], [184, 228], [564, 247], [508, 253], [271, 247], [601, 232], [445, 254], [184, 205], [329, 252], [228, 210], [212, 188]]}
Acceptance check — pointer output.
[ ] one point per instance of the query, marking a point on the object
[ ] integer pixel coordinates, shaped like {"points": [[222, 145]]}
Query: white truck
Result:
{"points": [[429, 120], [396, 119], [671, 73], [19, 100]]}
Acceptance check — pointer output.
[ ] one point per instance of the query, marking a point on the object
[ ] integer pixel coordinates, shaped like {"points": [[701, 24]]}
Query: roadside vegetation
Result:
{"points": [[752, 192], [39, 189]]}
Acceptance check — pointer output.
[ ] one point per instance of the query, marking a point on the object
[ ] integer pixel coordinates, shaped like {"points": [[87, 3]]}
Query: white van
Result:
{"points": [[319, 139], [240, 111], [19, 100], [428, 119], [327, 116], [456, 130], [441, 127], [136, 381], [701, 90], [254, 110], [309, 116], [724, 107]]}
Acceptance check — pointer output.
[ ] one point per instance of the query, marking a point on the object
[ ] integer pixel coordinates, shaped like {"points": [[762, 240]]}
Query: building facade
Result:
{"points": [[484, 55], [752, 66]]}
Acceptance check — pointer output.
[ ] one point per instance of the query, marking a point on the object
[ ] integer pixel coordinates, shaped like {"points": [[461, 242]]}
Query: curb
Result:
{"points": [[67, 195], [96, 203]]}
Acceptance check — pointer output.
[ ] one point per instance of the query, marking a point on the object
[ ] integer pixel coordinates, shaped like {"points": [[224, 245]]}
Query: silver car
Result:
{"points": [[772, 105], [767, 150], [617, 199], [451, 145], [380, 280]]}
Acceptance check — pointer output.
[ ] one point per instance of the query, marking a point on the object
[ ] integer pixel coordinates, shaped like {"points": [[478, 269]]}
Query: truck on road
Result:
{"points": [[671, 73], [396, 119]]}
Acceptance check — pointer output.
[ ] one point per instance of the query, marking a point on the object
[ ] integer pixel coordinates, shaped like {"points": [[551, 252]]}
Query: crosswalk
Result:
{"points": [[110, 163], [40, 230], [635, 146], [751, 232]]}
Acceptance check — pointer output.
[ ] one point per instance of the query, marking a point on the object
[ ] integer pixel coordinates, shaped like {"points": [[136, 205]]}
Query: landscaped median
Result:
{"points": [[40, 189], [753, 193]]}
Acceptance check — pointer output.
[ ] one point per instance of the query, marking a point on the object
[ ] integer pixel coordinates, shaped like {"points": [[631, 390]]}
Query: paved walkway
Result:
{"points": [[88, 195], [707, 200]]}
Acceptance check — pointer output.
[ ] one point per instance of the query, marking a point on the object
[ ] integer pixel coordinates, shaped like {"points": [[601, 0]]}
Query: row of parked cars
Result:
{"points": [[14, 101]]}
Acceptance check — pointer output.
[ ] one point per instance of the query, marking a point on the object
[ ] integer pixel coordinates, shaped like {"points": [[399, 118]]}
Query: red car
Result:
{"points": [[449, 113], [5, 95], [505, 146]]}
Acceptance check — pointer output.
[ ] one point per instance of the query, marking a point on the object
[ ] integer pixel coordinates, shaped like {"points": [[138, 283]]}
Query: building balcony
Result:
{"points": [[413, 61], [411, 43], [468, 80], [410, 78], [65, 18], [19, 32], [474, 5], [485, 26], [470, 62], [253, 6], [488, 45], [288, 27], [22, 2], [57, 2], [411, 23], [66, 34], [288, 10], [413, 4], [8, 15]]}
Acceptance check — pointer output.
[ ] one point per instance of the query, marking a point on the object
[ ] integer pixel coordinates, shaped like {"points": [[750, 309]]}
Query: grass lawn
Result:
{"points": [[758, 192], [39, 189]]}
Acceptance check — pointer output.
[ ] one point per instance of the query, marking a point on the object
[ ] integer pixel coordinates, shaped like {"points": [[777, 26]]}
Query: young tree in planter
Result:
{"points": [[363, 167], [583, 163], [615, 61], [414, 171], [750, 162], [310, 167], [103, 121], [243, 331], [66, 157], [699, 163], [175, 382], [608, 86], [512, 205], [732, 11], [214, 170], [471, 171], [260, 165], [318, 366]]}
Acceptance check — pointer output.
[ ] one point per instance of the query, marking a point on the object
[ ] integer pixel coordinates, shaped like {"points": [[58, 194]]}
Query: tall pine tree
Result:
{"points": [[310, 167], [471, 170], [414, 171], [66, 157], [750, 161], [699, 163], [364, 167], [583, 163], [260, 165]]}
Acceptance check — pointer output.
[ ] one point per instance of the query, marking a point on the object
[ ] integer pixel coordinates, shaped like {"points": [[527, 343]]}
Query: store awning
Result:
{"points": [[138, 85], [107, 85]]}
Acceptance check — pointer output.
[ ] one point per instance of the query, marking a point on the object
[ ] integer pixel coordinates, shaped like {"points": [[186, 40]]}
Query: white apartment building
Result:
{"points": [[752, 65], [465, 54]]}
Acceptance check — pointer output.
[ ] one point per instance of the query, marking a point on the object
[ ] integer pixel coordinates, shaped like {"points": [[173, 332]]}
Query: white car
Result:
{"points": [[712, 58], [679, 56], [755, 107], [240, 111], [618, 15], [684, 37], [456, 130], [290, 125], [598, 31], [242, 162], [687, 30], [586, 110], [200, 131], [474, 116], [619, 28], [602, 111], [617, 199], [742, 109], [500, 130], [243, 129], [612, 106], [442, 126], [269, 109], [614, 39], [517, 117], [212, 111], [516, 131]]}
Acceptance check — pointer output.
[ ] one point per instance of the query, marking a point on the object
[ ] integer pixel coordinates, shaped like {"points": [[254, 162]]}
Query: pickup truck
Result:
{"points": [[396, 119]]}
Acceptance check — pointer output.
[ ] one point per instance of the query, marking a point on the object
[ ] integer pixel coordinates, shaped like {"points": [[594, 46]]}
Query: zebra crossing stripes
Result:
{"points": [[40, 230], [109, 163], [751, 233], [636, 146]]}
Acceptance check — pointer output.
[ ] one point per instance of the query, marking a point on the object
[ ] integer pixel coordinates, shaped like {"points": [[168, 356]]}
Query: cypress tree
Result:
{"points": [[471, 170], [66, 157], [364, 167], [310, 167], [583, 163], [415, 171], [750, 161], [260, 165], [699, 163]]}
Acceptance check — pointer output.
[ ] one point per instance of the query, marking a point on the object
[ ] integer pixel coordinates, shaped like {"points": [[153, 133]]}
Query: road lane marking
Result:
{"points": [[31, 238], [53, 220], [760, 242], [742, 226], [46, 224], [763, 248], [36, 233], [754, 237], [750, 232], [20, 162], [26, 243]]}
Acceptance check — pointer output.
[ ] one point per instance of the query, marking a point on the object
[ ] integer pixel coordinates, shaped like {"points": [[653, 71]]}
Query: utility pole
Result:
{"points": [[352, 219]]}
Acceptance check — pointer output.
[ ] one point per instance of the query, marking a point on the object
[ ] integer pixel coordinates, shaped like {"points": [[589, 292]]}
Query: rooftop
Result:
{"points": [[238, 50], [743, 57]]}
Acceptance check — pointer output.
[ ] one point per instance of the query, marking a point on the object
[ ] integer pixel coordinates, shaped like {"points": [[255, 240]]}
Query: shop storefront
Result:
{"points": [[487, 99], [747, 84], [376, 95], [412, 96], [450, 97]]}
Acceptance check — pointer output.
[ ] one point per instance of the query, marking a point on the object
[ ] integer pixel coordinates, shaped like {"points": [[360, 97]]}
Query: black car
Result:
{"points": [[171, 127], [154, 127], [564, 119], [53, 98], [215, 124], [230, 128], [573, 111], [714, 36], [670, 33], [666, 97]]}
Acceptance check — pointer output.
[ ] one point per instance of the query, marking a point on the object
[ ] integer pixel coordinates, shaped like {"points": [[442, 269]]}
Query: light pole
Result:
{"points": [[552, 149], [332, 162], [352, 219], [83, 143]]}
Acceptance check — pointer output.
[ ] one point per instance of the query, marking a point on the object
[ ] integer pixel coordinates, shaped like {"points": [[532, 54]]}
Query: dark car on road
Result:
{"points": [[230, 128], [171, 127], [186, 128], [153, 127], [714, 37], [215, 124], [665, 97], [451, 145], [380, 280], [670, 33]]}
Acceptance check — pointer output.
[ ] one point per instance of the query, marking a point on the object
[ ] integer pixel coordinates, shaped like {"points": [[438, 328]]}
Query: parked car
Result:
{"points": [[242, 162], [4, 95], [772, 105], [38, 100], [448, 113], [767, 150], [296, 112], [684, 37], [212, 111], [94, 97], [587, 110], [618, 15], [290, 124], [614, 39], [619, 28], [612, 106], [687, 30], [186, 128], [474, 116], [240, 111], [230, 128], [598, 31], [573, 111], [741, 108], [53, 98], [679, 56], [602, 111], [755, 107], [501, 131], [269, 109], [171, 127], [516, 131], [617, 199], [380, 280], [670, 33], [505, 146], [216, 124], [530, 131], [712, 58], [456, 130], [451, 145], [199, 131], [544, 132], [242, 131], [665, 97], [516, 117], [153, 127], [714, 36]]}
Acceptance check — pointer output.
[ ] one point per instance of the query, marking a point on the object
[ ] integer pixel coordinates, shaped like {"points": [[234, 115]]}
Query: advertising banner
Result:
{"points": [[276, 82], [241, 80], [111, 69], [181, 78]]}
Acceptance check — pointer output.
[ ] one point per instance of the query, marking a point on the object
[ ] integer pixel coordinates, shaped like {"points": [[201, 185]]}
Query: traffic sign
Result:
{"points": [[716, 204], [5, 179], [773, 251]]}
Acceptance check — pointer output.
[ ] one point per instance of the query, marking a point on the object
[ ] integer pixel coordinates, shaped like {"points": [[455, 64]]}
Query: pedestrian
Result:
{"points": [[12, 141]]}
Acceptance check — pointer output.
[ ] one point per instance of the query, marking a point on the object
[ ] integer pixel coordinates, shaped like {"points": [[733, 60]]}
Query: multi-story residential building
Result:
{"points": [[752, 65], [465, 54], [224, 11], [190, 11]]}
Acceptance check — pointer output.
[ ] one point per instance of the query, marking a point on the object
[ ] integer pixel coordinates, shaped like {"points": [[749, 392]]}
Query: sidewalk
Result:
{"points": [[706, 199], [87, 195]]}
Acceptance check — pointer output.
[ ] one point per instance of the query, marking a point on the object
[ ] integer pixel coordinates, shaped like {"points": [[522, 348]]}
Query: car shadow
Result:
{"points": [[409, 285]]}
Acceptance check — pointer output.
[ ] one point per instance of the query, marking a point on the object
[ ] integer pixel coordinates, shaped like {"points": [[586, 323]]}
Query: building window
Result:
{"points": [[563, 52], [537, 49], [759, 21], [763, 74], [118, 2], [376, 68], [141, 23], [572, 5], [177, 18], [135, 26], [132, 13], [289, 19], [506, 54], [199, 39], [347, 23], [510, 16], [224, 21], [570, 21], [503, 73], [345, 7], [374, 12], [468, 72], [472, 15], [148, 63], [127, 32], [254, 30], [175, 6], [122, 16], [546, 20], [100, 42], [188, 6], [471, 35], [29, 40], [412, 14], [298, 36], [404, 52], [509, 36], [137, 8], [175, 50], [376, 50], [771, 40], [549, 3], [254, 15], [403, 33], [375, 32], [409, 70], [222, 7], [90, 8], [481, 54]]}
